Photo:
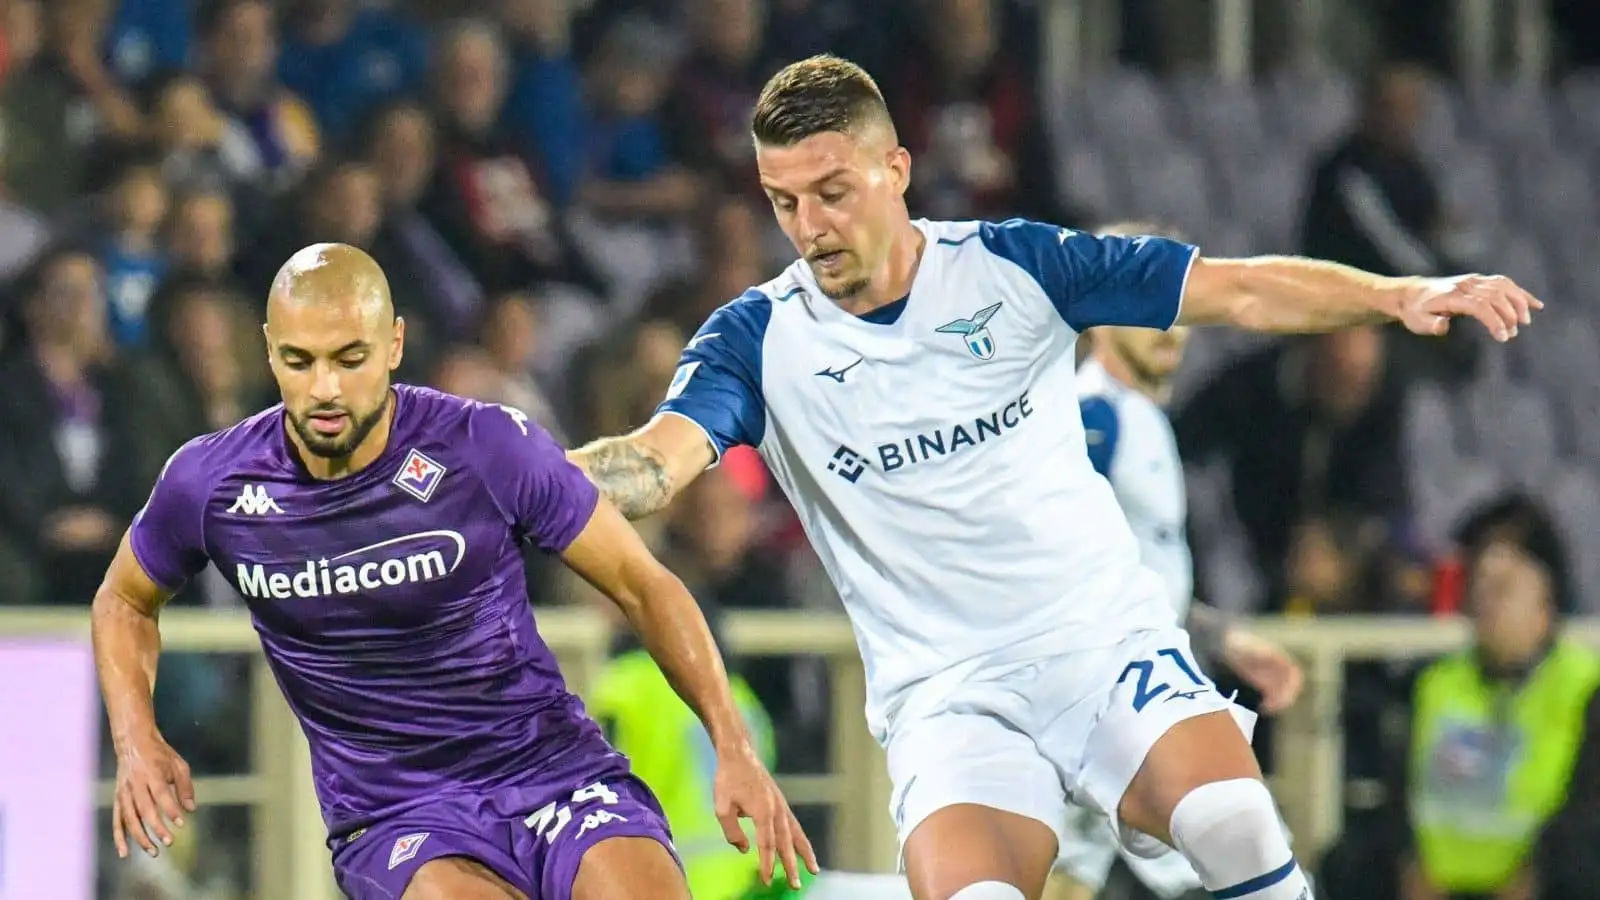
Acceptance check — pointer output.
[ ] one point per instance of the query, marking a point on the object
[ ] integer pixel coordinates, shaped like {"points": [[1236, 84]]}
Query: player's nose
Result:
{"points": [[325, 386]]}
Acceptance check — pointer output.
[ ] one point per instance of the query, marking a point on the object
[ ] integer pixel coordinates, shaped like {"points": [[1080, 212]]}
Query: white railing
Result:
{"points": [[291, 861]]}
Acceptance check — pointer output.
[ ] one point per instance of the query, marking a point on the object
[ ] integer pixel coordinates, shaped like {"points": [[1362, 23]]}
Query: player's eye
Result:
{"points": [[783, 204], [833, 195], [352, 362], [298, 363]]}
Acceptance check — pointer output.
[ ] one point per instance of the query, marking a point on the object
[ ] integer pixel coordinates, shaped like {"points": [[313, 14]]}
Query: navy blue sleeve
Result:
{"points": [[718, 382], [1100, 430], [1093, 280]]}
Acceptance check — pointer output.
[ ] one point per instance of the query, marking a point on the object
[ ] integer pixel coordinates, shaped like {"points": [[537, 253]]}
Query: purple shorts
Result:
{"points": [[534, 847]]}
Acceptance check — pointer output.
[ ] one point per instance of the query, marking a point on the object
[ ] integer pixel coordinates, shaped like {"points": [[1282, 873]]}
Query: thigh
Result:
{"points": [[966, 844], [974, 800], [382, 861], [615, 819], [629, 868], [1162, 724], [459, 878]]}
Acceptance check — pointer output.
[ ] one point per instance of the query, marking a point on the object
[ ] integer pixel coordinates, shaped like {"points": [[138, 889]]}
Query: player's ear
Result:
{"points": [[900, 169], [397, 349]]}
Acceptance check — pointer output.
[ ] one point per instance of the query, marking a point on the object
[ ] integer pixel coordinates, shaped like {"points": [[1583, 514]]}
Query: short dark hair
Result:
{"points": [[1524, 523], [816, 95]]}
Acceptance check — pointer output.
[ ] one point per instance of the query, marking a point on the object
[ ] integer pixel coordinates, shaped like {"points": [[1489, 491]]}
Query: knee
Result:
{"points": [[1238, 813], [988, 890]]}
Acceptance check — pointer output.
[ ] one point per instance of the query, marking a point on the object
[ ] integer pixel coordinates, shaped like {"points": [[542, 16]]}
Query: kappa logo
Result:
{"points": [[419, 476], [405, 848], [596, 819], [980, 343], [253, 501]]}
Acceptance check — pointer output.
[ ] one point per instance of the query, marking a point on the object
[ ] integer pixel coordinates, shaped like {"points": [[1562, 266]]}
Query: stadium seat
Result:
{"points": [[1574, 498], [1442, 500], [1172, 186], [1469, 181], [1579, 108], [1511, 114], [1267, 193], [1310, 110], [1514, 430], [1126, 110], [1089, 180], [1552, 186], [1224, 118], [1430, 433]]}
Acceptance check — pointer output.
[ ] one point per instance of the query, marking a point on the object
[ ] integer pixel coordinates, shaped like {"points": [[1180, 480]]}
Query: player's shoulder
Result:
{"points": [[739, 327], [250, 443], [450, 425]]}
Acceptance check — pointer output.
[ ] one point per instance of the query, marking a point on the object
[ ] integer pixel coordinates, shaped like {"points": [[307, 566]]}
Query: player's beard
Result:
{"points": [[346, 443]]}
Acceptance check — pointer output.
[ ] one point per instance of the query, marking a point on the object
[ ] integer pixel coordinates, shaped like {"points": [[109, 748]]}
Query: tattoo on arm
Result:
{"points": [[633, 478]]}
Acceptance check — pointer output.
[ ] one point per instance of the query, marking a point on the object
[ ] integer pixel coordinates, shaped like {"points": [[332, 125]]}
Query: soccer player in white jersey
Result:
{"points": [[1122, 388], [911, 386]]}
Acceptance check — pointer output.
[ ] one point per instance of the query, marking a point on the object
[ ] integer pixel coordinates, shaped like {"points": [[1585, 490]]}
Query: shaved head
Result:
{"points": [[333, 340], [333, 275]]}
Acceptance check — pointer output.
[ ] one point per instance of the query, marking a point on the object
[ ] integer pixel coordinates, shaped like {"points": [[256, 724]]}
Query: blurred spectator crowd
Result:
{"points": [[561, 190]]}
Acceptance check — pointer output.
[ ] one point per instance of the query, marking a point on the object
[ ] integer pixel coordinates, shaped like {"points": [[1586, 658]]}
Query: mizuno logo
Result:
{"points": [[838, 374], [253, 501]]}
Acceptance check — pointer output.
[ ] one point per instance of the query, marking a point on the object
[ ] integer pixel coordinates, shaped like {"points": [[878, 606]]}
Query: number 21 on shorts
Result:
{"points": [[1148, 685], [549, 820]]}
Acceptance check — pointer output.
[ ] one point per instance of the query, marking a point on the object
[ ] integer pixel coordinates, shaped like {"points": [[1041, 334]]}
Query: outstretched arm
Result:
{"points": [[609, 554], [1292, 294], [641, 472]]}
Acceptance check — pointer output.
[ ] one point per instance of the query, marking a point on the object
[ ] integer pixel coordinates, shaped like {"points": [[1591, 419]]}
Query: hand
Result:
{"points": [[1415, 886], [80, 528], [153, 789], [744, 789], [1264, 666], [1494, 300]]}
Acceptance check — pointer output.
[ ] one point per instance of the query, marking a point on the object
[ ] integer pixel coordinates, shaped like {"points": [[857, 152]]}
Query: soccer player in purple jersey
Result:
{"points": [[374, 530]]}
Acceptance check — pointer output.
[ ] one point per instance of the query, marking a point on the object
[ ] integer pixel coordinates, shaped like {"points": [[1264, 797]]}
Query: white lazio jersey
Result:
{"points": [[1131, 443], [933, 449]]}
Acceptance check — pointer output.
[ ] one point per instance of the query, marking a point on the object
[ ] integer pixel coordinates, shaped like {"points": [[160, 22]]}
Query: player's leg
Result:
{"points": [[458, 878], [972, 852], [1200, 790], [976, 805], [607, 840], [629, 868], [446, 850], [1171, 757]]}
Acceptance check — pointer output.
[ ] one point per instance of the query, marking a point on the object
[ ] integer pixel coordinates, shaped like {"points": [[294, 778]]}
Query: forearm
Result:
{"points": [[1285, 294], [675, 634], [127, 643], [1208, 629], [635, 477]]}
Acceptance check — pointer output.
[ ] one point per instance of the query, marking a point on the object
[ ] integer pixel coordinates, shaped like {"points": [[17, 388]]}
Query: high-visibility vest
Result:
{"points": [[1491, 762]]}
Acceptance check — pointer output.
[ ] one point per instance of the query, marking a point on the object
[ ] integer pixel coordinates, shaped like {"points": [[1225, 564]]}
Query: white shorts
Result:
{"points": [[1026, 737], [1088, 851]]}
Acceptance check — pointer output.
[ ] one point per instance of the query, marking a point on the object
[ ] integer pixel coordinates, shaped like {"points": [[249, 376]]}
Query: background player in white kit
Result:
{"points": [[911, 386], [1122, 387]]}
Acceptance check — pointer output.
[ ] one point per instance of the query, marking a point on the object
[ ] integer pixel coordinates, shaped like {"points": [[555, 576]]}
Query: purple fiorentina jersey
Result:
{"points": [[391, 603]]}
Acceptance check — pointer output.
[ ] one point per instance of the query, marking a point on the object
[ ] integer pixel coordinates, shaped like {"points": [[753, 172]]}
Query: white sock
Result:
{"points": [[1230, 832], [988, 890]]}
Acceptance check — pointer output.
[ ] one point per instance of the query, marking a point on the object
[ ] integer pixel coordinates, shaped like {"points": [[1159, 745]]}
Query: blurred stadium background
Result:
{"points": [[561, 190]]}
